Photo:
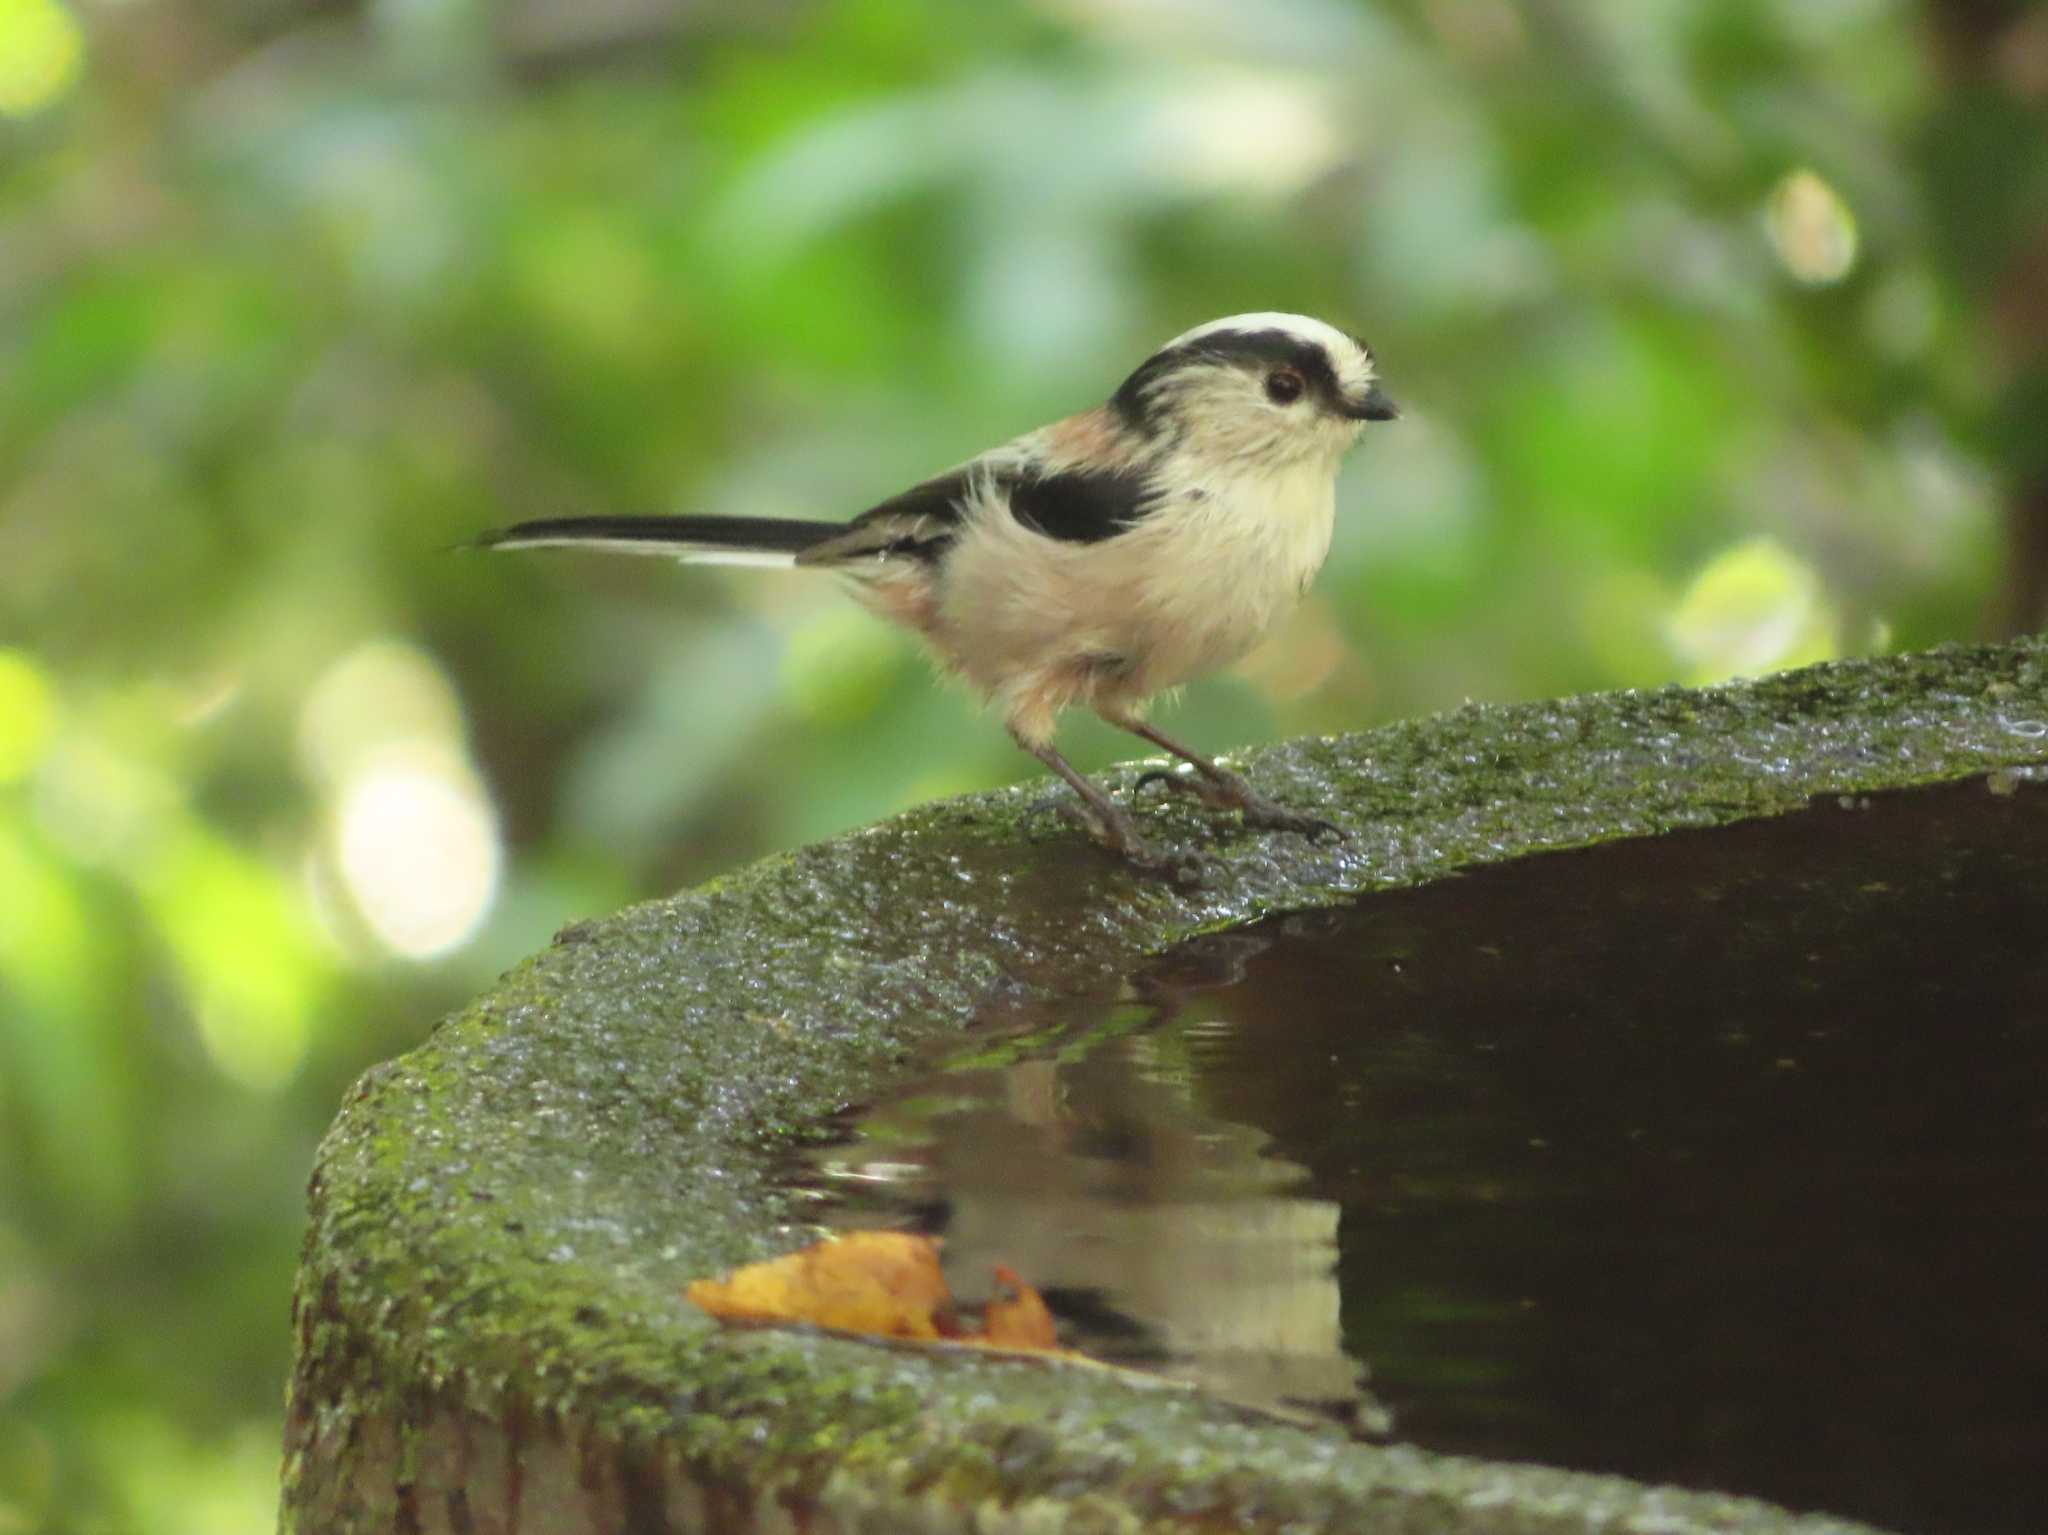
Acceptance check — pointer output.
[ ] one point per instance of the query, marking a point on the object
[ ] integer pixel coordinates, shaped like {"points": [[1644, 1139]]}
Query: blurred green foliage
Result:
{"points": [[1719, 327]]}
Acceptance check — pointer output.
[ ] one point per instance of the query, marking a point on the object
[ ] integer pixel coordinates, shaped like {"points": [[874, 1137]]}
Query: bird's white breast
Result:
{"points": [[1225, 564], [1188, 590]]}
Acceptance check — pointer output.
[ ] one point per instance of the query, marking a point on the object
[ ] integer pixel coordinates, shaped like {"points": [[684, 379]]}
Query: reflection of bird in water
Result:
{"points": [[1162, 1238]]}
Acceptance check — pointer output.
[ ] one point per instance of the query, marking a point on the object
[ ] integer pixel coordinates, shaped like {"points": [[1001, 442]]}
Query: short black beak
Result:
{"points": [[1373, 405]]}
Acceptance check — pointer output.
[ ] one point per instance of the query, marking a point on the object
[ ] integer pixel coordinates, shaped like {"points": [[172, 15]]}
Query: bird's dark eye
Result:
{"points": [[1284, 386]]}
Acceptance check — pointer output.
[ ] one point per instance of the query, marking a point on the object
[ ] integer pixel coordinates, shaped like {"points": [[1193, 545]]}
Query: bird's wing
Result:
{"points": [[1068, 504], [918, 524], [1077, 506]]}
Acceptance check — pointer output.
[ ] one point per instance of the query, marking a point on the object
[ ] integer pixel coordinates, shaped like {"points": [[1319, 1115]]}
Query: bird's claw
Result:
{"points": [[1268, 816], [1119, 836], [1215, 796], [1230, 792]]}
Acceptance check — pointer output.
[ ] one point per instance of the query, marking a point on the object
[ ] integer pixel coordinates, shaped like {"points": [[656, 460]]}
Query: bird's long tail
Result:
{"points": [[696, 540]]}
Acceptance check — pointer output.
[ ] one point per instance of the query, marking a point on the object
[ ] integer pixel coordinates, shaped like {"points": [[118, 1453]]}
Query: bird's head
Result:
{"points": [[1269, 388]]}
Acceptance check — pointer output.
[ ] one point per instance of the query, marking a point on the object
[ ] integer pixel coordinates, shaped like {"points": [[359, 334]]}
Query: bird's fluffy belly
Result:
{"points": [[1040, 625]]}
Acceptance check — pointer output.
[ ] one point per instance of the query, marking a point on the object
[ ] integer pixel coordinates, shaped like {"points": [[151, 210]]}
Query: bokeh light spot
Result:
{"points": [[1304, 651], [415, 841], [1812, 228], [1755, 608], [41, 54], [1251, 132], [380, 694], [417, 844]]}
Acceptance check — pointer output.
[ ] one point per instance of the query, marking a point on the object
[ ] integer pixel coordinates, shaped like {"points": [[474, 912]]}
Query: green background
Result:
{"points": [[1721, 327]]}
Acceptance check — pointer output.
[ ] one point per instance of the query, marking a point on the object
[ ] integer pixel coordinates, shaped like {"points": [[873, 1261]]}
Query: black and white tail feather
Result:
{"points": [[1101, 560], [762, 541]]}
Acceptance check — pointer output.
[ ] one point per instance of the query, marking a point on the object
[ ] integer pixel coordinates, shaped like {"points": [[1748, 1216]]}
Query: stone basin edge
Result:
{"points": [[489, 1324]]}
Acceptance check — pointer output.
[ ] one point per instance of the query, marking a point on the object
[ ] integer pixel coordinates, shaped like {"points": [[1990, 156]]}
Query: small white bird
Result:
{"points": [[1103, 559]]}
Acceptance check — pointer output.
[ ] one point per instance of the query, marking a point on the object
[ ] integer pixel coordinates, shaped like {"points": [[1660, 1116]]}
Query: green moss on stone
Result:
{"points": [[504, 1219]]}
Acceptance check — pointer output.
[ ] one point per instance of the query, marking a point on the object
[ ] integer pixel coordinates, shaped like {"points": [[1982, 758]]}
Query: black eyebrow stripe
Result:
{"points": [[1266, 348]]}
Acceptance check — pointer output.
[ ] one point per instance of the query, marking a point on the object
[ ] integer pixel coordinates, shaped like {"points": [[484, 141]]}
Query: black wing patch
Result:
{"points": [[1079, 506], [1072, 507]]}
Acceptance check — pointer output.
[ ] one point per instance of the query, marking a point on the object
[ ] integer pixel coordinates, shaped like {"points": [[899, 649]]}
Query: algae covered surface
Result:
{"points": [[503, 1220]]}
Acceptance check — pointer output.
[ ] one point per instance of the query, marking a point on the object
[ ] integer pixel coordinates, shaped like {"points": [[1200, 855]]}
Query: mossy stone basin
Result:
{"points": [[491, 1334]]}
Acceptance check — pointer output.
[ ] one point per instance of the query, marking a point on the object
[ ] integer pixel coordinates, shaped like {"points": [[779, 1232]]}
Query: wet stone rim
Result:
{"points": [[490, 1330]]}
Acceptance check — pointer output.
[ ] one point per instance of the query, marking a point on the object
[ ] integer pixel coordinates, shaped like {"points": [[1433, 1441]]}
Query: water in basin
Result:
{"points": [[1719, 1159]]}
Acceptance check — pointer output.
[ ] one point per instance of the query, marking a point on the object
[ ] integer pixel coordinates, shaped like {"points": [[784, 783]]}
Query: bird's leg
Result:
{"points": [[1220, 789], [1104, 819]]}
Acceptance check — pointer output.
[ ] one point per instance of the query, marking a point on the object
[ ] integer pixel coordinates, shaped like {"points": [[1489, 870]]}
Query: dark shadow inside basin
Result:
{"points": [[1715, 1159]]}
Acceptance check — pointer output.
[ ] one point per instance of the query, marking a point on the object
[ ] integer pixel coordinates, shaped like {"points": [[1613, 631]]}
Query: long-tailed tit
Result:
{"points": [[1100, 560]]}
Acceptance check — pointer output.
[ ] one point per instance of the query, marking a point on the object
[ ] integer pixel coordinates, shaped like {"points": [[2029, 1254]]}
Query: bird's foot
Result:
{"points": [[1227, 791], [1119, 834]]}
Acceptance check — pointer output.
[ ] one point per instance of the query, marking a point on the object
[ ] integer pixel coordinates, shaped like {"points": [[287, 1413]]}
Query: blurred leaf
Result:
{"points": [[60, 1035], [28, 714], [41, 52], [1753, 609]]}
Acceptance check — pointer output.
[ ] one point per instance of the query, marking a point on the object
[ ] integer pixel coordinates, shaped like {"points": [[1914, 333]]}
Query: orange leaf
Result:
{"points": [[1018, 1318], [886, 1284], [882, 1282]]}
